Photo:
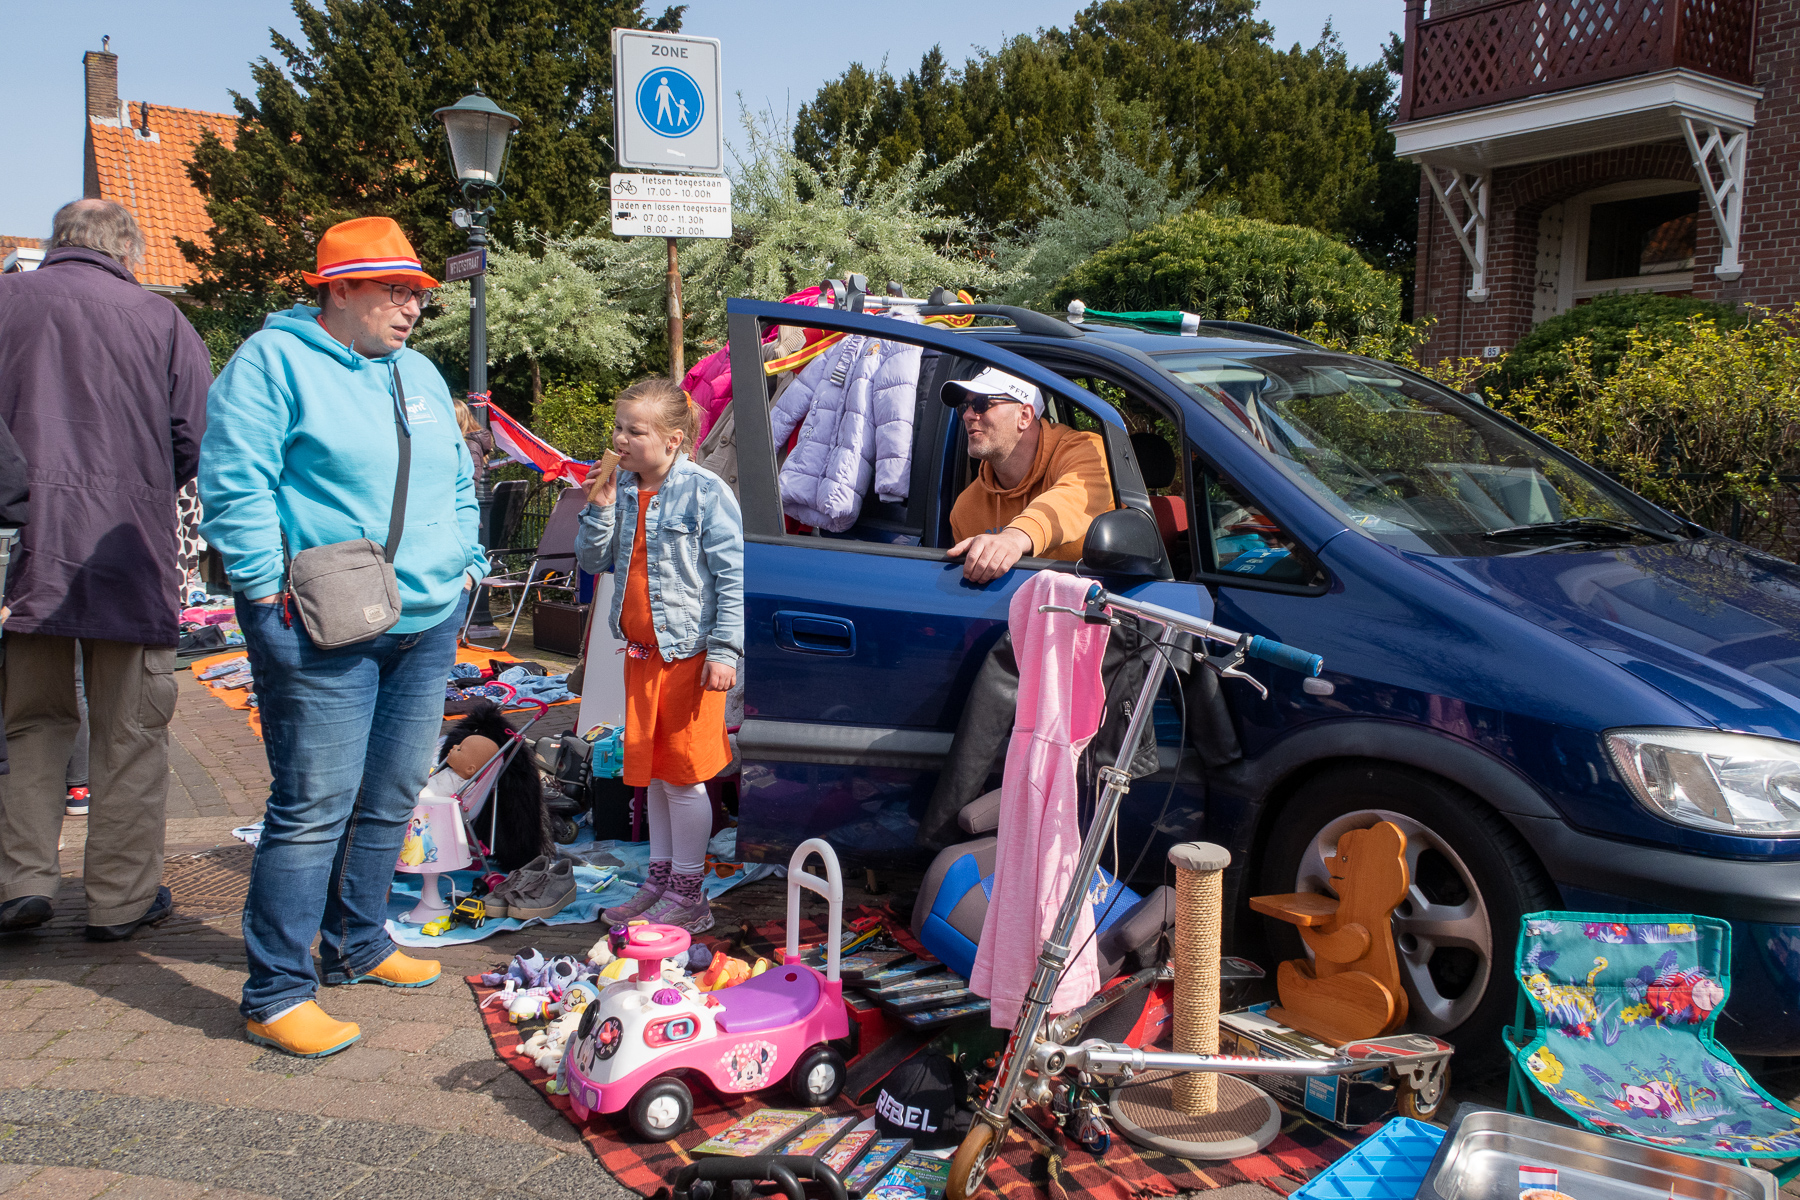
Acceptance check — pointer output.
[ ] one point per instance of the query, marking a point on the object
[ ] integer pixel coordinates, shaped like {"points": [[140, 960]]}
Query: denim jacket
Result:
{"points": [[694, 549]]}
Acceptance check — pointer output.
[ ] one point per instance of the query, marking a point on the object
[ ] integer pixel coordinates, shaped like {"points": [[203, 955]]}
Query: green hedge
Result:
{"points": [[1606, 323], [1236, 268]]}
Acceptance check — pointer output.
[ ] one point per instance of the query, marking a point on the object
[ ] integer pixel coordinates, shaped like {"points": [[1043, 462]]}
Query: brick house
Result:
{"points": [[1572, 148], [137, 153]]}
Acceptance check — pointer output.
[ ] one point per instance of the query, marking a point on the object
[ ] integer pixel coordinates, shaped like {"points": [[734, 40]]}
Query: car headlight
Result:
{"points": [[1722, 782]]}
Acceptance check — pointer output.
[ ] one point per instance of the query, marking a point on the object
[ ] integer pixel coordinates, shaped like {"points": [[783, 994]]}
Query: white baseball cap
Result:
{"points": [[994, 382]]}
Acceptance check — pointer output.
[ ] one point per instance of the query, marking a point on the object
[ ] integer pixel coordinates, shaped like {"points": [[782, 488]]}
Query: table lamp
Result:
{"points": [[434, 845]]}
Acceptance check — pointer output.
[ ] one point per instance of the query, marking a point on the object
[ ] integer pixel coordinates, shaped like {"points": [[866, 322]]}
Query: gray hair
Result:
{"points": [[103, 225]]}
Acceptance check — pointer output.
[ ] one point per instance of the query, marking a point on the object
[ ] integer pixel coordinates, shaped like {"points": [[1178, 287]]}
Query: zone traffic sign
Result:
{"points": [[667, 89]]}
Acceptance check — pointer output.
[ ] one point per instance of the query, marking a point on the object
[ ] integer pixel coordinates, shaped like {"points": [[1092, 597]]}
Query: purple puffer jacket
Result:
{"points": [[856, 402]]}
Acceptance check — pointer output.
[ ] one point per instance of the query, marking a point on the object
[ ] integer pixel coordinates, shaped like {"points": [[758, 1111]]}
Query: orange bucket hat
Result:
{"points": [[367, 248]]}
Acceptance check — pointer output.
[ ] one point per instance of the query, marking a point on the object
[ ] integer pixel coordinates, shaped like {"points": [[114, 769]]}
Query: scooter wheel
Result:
{"points": [[661, 1110], [563, 831], [818, 1077], [1418, 1106], [980, 1146]]}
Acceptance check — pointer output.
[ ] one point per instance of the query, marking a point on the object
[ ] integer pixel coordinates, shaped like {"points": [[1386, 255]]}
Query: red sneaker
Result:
{"points": [[77, 803]]}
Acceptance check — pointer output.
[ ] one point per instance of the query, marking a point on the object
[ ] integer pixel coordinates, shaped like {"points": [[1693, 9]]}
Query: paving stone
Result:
{"points": [[65, 1183], [148, 1187], [360, 1063], [24, 1045], [176, 1158], [488, 1158], [146, 1114], [446, 1074], [31, 1071], [62, 1145], [294, 1177], [412, 1185], [300, 1093], [86, 1075], [94, 1044], [40, 1106], [576, 1174], [410, 1036], [279, 1063], [258, 1130], [225, 1193], [367, 1142]]}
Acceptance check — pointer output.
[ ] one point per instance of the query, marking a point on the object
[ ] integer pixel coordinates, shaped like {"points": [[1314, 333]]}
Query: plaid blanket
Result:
{"points": [[1023, 1170]]}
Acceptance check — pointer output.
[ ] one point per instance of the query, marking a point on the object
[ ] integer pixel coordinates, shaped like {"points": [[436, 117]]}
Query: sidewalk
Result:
{"points": [[124, 1070]]}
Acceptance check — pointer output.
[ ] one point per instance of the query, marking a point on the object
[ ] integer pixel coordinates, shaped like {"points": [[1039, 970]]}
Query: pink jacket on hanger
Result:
{"points": [[1061, 701]]}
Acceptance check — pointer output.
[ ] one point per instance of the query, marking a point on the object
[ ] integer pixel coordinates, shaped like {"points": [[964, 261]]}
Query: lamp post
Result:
{"points": [[480, 134]]}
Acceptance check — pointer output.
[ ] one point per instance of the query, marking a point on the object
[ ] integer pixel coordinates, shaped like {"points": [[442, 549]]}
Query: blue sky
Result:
{"points": [[193, 55]]}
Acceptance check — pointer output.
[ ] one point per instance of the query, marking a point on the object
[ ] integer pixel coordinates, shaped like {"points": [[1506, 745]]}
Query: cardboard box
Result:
{"points": [[1348, 1100]]}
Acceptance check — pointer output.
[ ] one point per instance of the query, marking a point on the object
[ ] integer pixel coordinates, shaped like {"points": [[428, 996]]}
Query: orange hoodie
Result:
{"points": [[1066, 488]]}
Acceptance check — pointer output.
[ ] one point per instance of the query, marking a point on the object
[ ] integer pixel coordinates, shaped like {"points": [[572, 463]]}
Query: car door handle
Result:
{"points": [[810, 633]]}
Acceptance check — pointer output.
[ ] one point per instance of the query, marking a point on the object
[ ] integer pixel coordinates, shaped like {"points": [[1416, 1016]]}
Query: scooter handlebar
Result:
{"points": [[1283, 655]]}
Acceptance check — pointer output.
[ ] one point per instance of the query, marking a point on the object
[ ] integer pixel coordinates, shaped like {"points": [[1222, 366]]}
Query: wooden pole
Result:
{"points": [[677, 365]]}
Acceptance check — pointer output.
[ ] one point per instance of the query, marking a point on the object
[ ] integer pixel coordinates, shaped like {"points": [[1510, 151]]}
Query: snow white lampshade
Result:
{"points": [[434, 844]]}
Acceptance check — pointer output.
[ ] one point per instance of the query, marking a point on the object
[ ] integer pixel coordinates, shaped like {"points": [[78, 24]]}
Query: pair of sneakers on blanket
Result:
{"points": [[666, 898], [541, 888]]}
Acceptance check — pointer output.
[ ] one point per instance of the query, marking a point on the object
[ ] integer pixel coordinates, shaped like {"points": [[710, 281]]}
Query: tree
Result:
{"points": [[1237, 268], [1295, 136], [542, 306], [794, 224], [343, 128], [1084, 213]]}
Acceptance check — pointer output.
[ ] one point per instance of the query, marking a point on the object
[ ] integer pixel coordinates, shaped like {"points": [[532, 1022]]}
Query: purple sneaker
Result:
{"points": [[693, 915], [648, 894]]}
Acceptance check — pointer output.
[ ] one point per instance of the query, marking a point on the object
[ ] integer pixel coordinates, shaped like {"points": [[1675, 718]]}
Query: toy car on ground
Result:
{"points": [[775, 1026], [470, 911]]}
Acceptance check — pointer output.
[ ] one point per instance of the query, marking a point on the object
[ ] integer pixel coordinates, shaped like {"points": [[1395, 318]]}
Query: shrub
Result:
{"points": [[1606, 323], [1236, 268], [574, 417], [1701, 419]]}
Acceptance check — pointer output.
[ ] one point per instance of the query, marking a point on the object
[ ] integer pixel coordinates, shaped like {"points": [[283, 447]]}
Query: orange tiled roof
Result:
{"points": [[8, 241], [149, 176]]}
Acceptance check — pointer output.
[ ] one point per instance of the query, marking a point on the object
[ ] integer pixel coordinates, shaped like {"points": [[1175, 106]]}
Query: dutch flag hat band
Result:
{"points": [[368, 248]]}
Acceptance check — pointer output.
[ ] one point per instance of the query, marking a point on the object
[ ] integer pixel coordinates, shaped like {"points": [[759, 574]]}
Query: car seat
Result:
{"points": [[1157, 464], [953, 902]]}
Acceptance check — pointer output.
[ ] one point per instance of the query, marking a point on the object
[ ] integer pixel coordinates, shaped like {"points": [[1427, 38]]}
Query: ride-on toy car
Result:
{"points": [[634, 1040]]}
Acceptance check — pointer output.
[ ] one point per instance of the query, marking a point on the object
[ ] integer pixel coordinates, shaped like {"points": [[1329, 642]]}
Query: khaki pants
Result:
{"points": [[131, 697]]}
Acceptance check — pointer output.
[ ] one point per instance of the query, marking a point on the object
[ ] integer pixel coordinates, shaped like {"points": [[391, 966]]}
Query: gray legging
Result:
{"points": [[78, 757]]}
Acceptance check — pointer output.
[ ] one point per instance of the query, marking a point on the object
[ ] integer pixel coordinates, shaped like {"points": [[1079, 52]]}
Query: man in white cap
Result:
{"points": [[1039, 486]]}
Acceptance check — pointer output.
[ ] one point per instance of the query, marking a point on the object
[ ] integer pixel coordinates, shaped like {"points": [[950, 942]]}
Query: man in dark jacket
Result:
{"points": [[104, 388]]}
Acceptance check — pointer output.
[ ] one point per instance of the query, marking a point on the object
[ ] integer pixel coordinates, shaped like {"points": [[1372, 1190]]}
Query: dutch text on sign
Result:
{"points": [[687, 206]]}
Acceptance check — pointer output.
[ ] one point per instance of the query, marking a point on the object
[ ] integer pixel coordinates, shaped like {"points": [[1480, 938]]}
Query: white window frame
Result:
{"points": [[1572, 288]]}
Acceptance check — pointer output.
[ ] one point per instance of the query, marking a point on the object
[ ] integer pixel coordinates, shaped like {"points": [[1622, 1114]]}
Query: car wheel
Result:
{"points": [[661, 1110], [1470, 878], [818, 1077]]}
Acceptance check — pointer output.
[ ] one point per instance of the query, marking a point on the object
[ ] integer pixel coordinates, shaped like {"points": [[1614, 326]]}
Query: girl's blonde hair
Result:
{"points": [[667, 407], [465, 418]]}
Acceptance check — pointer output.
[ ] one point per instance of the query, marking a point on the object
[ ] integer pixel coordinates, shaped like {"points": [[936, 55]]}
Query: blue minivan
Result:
{"points": [[1566, 696]]}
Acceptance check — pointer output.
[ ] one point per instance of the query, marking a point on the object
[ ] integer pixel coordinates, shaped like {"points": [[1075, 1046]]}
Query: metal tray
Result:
{"points": [[1482, 1153]]}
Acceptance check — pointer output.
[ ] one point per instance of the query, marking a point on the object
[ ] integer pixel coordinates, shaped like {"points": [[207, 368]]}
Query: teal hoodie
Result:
{"points": [[300, 436]]}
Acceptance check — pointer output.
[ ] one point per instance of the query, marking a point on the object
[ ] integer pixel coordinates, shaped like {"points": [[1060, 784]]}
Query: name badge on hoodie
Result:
{"points": [[418, 411]]}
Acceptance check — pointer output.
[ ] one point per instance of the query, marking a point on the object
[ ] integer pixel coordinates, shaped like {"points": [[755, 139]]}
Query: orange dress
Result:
{"points": [[674, 727]]}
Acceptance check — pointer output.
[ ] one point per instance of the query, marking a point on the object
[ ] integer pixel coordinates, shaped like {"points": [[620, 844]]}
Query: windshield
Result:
{"points": [[1404, 462]]}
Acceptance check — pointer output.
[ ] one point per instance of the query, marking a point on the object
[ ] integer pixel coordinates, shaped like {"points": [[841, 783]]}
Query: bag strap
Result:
{"points": [[403, 433]]}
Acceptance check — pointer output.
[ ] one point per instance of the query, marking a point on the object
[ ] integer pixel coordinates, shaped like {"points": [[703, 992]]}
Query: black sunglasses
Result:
{"points": [[980, 404]]}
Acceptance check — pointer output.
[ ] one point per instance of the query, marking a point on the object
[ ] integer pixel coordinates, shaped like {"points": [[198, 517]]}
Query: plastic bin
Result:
{"points": [[1390, 1165]]}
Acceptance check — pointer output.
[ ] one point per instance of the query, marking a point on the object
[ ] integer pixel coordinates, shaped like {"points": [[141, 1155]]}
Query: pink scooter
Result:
{"points": [[642, 1034]]}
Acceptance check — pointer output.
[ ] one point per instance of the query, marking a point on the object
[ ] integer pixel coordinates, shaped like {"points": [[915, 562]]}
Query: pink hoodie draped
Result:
{"points": [[1061, 702]]}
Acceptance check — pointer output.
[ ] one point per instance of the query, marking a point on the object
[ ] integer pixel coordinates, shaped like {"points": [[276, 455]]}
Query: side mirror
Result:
{"points": [[1125, 542]]}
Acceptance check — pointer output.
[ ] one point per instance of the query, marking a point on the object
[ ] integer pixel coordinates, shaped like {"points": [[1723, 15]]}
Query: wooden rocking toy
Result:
{"points": [[1351, 989]]}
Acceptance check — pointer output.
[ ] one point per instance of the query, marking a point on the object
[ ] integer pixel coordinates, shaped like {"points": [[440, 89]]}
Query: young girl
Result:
{"points": [[673, 535]]}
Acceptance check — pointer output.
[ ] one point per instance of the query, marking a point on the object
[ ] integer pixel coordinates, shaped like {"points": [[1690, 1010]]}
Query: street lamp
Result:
{"points": [[480, 134]]}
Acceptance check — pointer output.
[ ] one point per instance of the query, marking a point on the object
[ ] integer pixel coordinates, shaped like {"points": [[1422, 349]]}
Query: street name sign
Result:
{"points": [[465, 266], [667, 110], [688, 206]]}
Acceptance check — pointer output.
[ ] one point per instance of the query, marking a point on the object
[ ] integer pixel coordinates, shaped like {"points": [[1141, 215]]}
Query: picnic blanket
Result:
{"points": [[239, 698], [1125, 1172]]}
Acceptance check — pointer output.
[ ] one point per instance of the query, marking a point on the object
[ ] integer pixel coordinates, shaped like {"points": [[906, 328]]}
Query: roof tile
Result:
{"points": [[148, 175]]}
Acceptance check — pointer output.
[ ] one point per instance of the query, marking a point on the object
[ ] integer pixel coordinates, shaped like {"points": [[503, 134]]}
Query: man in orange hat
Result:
{"points": [[309, 425]]}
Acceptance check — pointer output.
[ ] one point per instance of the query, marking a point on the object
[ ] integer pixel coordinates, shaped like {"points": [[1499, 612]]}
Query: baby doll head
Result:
{"points": [[470, 755], [653, 421]]}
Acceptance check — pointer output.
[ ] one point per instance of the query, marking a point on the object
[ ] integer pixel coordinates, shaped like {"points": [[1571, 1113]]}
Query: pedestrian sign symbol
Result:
{"points": [[670, 102]]}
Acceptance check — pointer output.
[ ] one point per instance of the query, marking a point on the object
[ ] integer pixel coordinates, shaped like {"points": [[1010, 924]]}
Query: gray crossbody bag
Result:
{"points": [[346, 592]]}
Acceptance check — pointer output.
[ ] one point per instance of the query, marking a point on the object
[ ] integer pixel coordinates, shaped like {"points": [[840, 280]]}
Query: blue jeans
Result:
{"points": [[350, 735]]}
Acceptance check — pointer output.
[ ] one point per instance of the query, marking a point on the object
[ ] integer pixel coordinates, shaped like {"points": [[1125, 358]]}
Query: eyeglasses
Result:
{"points": [[401, 295], [980, 404]]}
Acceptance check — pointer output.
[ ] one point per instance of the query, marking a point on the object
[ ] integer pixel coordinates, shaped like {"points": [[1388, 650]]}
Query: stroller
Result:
{"points": [[478, 789]]}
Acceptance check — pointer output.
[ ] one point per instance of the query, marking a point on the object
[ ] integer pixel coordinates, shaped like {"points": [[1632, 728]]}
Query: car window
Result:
{"points": [[1402, 461], [1239, 538]]}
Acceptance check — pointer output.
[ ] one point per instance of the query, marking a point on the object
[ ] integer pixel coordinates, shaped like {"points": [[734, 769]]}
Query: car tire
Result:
{"points": [[1471, 877], [818, 1077], [661, 1110]]}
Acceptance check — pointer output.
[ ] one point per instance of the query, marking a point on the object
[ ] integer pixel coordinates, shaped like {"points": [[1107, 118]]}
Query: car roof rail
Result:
{"points": [[943, 304], [1261, 331]]}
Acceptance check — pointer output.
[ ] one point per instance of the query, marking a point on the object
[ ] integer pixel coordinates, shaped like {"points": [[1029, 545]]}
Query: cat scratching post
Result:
{"points": [[1198, 1114]]}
